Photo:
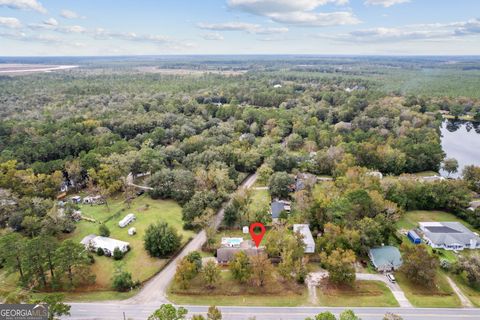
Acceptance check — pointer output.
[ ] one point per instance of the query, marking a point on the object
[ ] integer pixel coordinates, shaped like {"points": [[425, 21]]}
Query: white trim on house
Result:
{"points": [[449, 236]]}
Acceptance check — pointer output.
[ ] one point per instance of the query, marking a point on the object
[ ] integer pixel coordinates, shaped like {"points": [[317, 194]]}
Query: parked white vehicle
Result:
{"points": [[126, 220], [391, 278]]}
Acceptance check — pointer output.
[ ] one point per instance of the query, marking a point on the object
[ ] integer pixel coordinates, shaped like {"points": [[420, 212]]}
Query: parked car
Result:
{"points": [[139, 193], [391, 278]]}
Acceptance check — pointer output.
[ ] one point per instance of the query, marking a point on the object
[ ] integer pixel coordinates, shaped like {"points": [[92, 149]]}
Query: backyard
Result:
{"points": [[137, 261]]}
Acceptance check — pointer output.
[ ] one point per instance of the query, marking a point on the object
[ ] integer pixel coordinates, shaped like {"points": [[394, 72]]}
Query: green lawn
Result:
{"points": [[440, 296], [411, 218], [321, 189], [137, 261], [260, 199], [230, 292], [363, 294], [472, 293], [93, 296]]}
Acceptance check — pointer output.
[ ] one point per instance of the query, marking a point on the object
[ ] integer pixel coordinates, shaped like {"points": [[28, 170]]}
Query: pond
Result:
{"points": [[461, 140]]}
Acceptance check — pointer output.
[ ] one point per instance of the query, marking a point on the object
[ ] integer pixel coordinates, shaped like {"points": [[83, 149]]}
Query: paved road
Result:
{"points": [[154, 291], [153, 294], [105, 311]]}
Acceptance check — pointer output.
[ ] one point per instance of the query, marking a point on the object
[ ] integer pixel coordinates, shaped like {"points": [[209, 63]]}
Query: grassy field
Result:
{"points": [[472, 293], [260, 199], [363, 294], [440, 296], [229, 292], [137, 261], [411, 218]]}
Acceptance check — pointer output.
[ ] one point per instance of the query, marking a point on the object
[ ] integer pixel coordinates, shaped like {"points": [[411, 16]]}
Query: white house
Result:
{"points": [[126, 220], [449, 236], [304, 230], [93, 242]]}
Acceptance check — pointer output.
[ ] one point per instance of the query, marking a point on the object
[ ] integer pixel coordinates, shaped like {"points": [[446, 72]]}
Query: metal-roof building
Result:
{"points": [[449, 236], [304, 230], [386, 258]]}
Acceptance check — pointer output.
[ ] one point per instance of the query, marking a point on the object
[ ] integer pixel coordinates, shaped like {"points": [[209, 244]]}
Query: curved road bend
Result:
{"points": [[154, 290], [153, 294]]}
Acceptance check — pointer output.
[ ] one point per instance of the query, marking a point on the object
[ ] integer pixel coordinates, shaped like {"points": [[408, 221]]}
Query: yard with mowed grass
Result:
{"points": [[472, 293], [137, 260], [229, 292], [260, 199], [363, 294], [411, 219], [440, 296]]}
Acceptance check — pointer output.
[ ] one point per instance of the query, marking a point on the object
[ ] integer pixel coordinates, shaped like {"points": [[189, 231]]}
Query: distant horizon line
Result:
{"points": [[242, 55]]}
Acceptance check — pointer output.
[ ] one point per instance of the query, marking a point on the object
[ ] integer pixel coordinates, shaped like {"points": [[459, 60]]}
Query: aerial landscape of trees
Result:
{"points": [[192, 140]]}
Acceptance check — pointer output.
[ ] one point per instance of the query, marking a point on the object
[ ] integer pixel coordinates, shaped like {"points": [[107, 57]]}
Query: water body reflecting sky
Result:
{"points": [[461, 140]]}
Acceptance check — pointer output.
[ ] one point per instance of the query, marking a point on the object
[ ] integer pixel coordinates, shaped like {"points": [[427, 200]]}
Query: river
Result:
{"points": [[461, 140]]}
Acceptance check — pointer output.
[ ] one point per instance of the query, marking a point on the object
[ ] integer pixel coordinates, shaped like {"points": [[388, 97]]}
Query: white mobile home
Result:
{"points": [[93, 242], [304, 230], [126, 220]]}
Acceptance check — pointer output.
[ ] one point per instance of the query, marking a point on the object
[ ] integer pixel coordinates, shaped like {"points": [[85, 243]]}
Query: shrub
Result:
{"points": [[117, 254], [161, 240], [100, 252], [103, 230], [122, 281], [195, 258]]}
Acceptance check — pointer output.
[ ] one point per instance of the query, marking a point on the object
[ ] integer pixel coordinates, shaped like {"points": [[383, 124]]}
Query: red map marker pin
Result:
{"points": [[257, 237]]}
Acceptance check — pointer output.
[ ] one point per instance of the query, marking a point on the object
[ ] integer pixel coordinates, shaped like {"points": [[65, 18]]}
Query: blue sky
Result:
{"points": [[137, 27]]}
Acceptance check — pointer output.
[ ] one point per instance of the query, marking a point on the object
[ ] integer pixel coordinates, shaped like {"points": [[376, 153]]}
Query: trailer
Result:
{"points": [[414, 237]]}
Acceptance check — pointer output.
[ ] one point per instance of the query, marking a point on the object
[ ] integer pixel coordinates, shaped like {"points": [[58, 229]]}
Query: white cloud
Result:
{"points": [[396, 34], [51, 22], [71, 29], [212, 36], [468, 28], [385, 3], [431, 31], [299, 12], [313, 19], [241, 26], [9, 22], [21, 36], [23, 5], [69, 14], [266, 7], [101, 34]]}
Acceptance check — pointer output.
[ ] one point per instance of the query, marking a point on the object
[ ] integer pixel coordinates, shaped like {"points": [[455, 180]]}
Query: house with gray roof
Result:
{"points": [[449, 236], [385, 258], [277, 207], [226, 253]]}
